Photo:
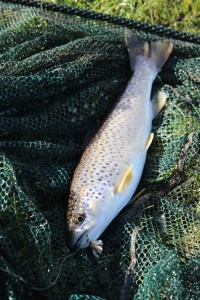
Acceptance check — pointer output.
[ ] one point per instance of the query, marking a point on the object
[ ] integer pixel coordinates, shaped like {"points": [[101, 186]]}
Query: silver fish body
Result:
{"points": [[111, 166]]}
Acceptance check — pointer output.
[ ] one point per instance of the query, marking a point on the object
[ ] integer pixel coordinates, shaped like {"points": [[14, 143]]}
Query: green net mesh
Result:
{"points": [[59, 76]]}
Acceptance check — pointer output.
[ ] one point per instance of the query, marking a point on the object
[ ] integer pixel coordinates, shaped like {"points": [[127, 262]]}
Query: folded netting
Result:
{"points": [[61, 71]]}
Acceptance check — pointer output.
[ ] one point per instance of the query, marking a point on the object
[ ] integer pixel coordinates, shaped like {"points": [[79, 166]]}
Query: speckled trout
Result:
{"points": [[112, 164]]}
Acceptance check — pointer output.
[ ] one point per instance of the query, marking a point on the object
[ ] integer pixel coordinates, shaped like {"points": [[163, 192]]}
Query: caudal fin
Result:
{"points": [[158, 51]]}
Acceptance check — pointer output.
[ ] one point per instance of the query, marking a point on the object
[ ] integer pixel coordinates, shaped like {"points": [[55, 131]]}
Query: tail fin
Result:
{"points": [[158, 51]]}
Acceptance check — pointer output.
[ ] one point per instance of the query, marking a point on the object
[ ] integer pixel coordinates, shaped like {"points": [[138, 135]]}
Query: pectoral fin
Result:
{"points": [[149, 140], [125, 180], [158, 102]]}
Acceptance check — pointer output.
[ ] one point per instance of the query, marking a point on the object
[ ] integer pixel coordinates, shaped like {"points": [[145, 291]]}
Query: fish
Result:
{"points": [[112, 164]]}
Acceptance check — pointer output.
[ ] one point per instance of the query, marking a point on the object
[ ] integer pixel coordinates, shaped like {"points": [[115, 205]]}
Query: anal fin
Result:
{"points": [[125, 180], [149, 140], [158, 102]]}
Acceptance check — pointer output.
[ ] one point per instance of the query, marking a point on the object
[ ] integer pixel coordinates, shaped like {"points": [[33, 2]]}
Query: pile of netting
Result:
{"points": [[60, 75]]}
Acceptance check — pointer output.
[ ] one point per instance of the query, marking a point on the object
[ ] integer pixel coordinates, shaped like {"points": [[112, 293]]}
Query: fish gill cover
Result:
{"points": [[60, 74]]}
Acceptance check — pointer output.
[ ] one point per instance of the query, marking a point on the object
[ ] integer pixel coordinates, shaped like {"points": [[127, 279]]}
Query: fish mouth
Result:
{"points": [[78, 243]]}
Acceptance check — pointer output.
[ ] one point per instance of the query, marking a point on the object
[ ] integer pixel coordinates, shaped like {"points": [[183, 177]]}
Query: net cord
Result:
{"points": [[156, 29]]}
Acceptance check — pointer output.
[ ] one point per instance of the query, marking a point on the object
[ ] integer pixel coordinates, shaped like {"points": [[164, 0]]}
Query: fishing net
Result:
{"points": [[61, 71]]}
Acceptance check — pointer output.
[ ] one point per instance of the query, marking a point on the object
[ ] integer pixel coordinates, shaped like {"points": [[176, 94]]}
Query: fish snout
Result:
{"points": [[77, 240]]}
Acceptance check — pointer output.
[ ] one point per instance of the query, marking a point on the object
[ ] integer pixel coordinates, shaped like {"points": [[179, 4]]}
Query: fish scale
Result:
{"points": [[111, 166]]}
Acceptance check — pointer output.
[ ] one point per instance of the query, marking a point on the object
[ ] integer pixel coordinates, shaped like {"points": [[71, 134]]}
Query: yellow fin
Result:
{"points": [[126, 179], [158, 102], [149, 140]]}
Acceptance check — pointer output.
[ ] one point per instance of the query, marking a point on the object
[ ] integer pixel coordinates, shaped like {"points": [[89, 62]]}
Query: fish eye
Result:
{"points": [[80, 219]]}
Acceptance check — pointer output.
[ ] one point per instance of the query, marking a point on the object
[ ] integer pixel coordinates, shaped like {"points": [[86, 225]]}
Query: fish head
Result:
{"points": [[78, 229], [86, 216]]}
